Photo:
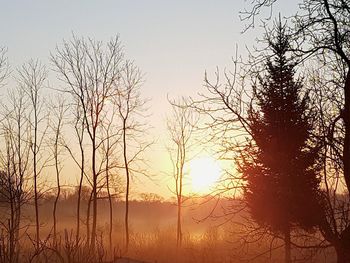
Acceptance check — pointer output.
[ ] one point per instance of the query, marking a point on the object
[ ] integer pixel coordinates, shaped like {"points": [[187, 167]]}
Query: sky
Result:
{"points": [[173, 42]]}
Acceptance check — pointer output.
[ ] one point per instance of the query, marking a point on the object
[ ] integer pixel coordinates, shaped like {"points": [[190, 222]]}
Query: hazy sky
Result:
{"points": [[173, 42]]}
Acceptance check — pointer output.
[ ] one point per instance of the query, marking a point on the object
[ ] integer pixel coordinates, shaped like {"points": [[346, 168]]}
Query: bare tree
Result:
{"points": [[79, 131], [131, 106], [32, 77], [112, 133], [8, 197], [229, 108], [91, 74], [250, 14], [14, 167], [180, 127], [57, 125], [4, 66]]}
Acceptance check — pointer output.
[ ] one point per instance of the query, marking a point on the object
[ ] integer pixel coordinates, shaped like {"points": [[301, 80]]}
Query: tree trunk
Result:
{"points": [[11, 222], [127, 214], [346, 119], [343, 254], [94, 214], [36, 196], [82, 153], [179, 229], [179, 202], [94, 194], [36, 205], [78, 207], [58, 190], [287, 246], [18, 221], [88, 220], [127, 188], [110, 214]]}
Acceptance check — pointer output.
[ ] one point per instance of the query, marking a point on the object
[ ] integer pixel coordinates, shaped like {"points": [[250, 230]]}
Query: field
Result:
{"points": [[206, 239]]}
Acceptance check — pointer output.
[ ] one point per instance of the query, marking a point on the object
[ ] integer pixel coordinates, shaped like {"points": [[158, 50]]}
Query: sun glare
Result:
{"points": [[204, 173]]}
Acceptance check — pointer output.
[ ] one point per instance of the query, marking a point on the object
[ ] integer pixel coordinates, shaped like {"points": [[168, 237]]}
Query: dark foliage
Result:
{"points": [[279, 165]]}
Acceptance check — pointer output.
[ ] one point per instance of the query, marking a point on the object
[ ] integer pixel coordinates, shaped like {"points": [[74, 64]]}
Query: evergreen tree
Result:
{"points": [[282, 189]]}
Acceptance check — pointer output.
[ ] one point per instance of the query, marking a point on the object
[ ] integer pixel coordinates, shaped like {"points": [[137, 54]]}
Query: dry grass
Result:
{"points": [[153, 239]]}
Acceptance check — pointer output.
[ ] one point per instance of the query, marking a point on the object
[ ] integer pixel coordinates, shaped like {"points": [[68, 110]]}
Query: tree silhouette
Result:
{"points": [[15, 167], [91, 72], [321, 36], [32, 78], [56, 125], [180, 126], [129, 107], [279, 165]]}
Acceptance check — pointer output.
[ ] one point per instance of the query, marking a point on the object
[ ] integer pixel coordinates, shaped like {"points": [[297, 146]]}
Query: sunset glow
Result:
{"points": [[204, 173], [175, 131]]}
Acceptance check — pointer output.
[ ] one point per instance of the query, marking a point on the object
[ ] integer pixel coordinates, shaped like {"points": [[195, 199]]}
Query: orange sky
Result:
{"points": [[173, 42]]}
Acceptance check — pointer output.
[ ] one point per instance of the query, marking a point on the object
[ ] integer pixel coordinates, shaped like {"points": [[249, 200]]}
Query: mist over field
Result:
{"points": [[208, 237], [174, 131]]}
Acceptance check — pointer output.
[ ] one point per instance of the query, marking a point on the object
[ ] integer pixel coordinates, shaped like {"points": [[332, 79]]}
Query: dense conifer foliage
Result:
{"points": [[279, 166]]}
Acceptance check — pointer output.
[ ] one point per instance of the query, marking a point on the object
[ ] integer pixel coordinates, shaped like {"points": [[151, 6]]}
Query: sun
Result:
{"points": [[204, 173]]}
